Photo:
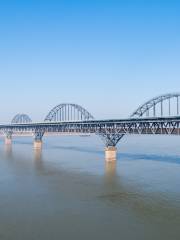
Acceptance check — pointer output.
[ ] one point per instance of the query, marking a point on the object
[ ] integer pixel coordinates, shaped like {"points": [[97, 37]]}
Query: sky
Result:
{"points": [[109, 56]]}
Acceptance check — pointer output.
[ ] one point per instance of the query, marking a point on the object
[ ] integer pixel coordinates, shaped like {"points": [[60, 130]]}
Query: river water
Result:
{"points": [[67, 191]]}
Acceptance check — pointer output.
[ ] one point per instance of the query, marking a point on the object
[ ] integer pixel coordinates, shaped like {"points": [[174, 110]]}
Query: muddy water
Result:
{"points": [[67, 191]]}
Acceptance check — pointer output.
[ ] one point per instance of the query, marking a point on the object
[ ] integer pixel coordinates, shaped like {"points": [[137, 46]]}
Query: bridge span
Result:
{"points": [[73, 119]]}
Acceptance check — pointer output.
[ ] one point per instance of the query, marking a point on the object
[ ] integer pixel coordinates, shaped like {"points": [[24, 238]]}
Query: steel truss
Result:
{"points": [[111, 130], [70, 118]]}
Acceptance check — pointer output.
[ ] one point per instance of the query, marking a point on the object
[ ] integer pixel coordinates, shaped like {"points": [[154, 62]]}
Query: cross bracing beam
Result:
{"points": [[168, 125]]}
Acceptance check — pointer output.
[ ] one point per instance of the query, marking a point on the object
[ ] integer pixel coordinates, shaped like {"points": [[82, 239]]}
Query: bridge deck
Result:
{"points": [[160, 125], [94, 122]]}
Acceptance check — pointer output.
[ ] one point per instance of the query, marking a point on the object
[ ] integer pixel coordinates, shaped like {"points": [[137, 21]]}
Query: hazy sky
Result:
{"points": [[106, 55]]}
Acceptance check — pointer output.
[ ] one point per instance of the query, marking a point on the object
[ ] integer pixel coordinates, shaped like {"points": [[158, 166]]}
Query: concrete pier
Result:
{"points": [[37, 144], [110, 154]]}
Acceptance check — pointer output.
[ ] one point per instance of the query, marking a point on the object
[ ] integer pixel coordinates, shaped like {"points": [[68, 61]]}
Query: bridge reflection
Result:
{"points": [[8, 151], [110, 172], [112, 188], [38, 154]]}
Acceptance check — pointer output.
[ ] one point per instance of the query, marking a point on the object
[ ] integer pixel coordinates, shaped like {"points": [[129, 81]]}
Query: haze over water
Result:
{"points": [[67, 191]]}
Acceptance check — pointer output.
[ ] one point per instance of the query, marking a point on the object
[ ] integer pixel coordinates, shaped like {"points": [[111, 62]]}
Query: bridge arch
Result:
{"points": [[21, 118], [163, 105], [68, 112]]}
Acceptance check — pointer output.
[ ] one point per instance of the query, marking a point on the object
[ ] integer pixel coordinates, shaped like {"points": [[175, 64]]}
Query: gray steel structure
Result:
{"points": [[111, 130], [21, 118], [68, 112], [152, 104]]}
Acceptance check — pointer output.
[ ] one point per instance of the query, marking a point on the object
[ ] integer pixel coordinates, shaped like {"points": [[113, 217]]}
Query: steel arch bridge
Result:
{"points": [[68, 112], [153, 103], [21, 118], [70, 118]]}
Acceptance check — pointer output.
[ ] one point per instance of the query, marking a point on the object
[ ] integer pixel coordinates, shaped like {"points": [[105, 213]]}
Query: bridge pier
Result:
{"points": [[111, 139], [8, 138], [38, 139], [110, 153]]}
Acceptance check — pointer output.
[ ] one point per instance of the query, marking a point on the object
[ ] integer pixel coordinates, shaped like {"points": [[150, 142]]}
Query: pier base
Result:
{"points": [[8, 141], [110, 154], [37, 144]]}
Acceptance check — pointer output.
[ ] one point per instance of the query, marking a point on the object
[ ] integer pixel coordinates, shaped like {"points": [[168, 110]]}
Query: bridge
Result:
{"points": [[160, 115]]}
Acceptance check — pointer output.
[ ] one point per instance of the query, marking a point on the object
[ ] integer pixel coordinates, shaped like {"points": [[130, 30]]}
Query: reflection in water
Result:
{"points": [[38, 158], [37, 154], [8, 151], [120, 192], [115, 192], [110, 172], [113, 197]]}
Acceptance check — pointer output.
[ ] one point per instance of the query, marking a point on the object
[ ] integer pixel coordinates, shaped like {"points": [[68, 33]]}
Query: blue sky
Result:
{"points": [[106, 55]]}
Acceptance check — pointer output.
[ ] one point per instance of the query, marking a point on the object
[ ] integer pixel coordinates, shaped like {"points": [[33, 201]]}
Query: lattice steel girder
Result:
{"points": [[111, 130]]}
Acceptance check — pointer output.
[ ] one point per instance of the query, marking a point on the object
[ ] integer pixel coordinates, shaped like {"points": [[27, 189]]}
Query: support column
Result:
{"points": [[38, 139], [110, 154], [110, 138], [8, 138]]}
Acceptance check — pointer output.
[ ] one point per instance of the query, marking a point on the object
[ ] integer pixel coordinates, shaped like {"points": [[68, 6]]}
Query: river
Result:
{"points": [[67, 190]]}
